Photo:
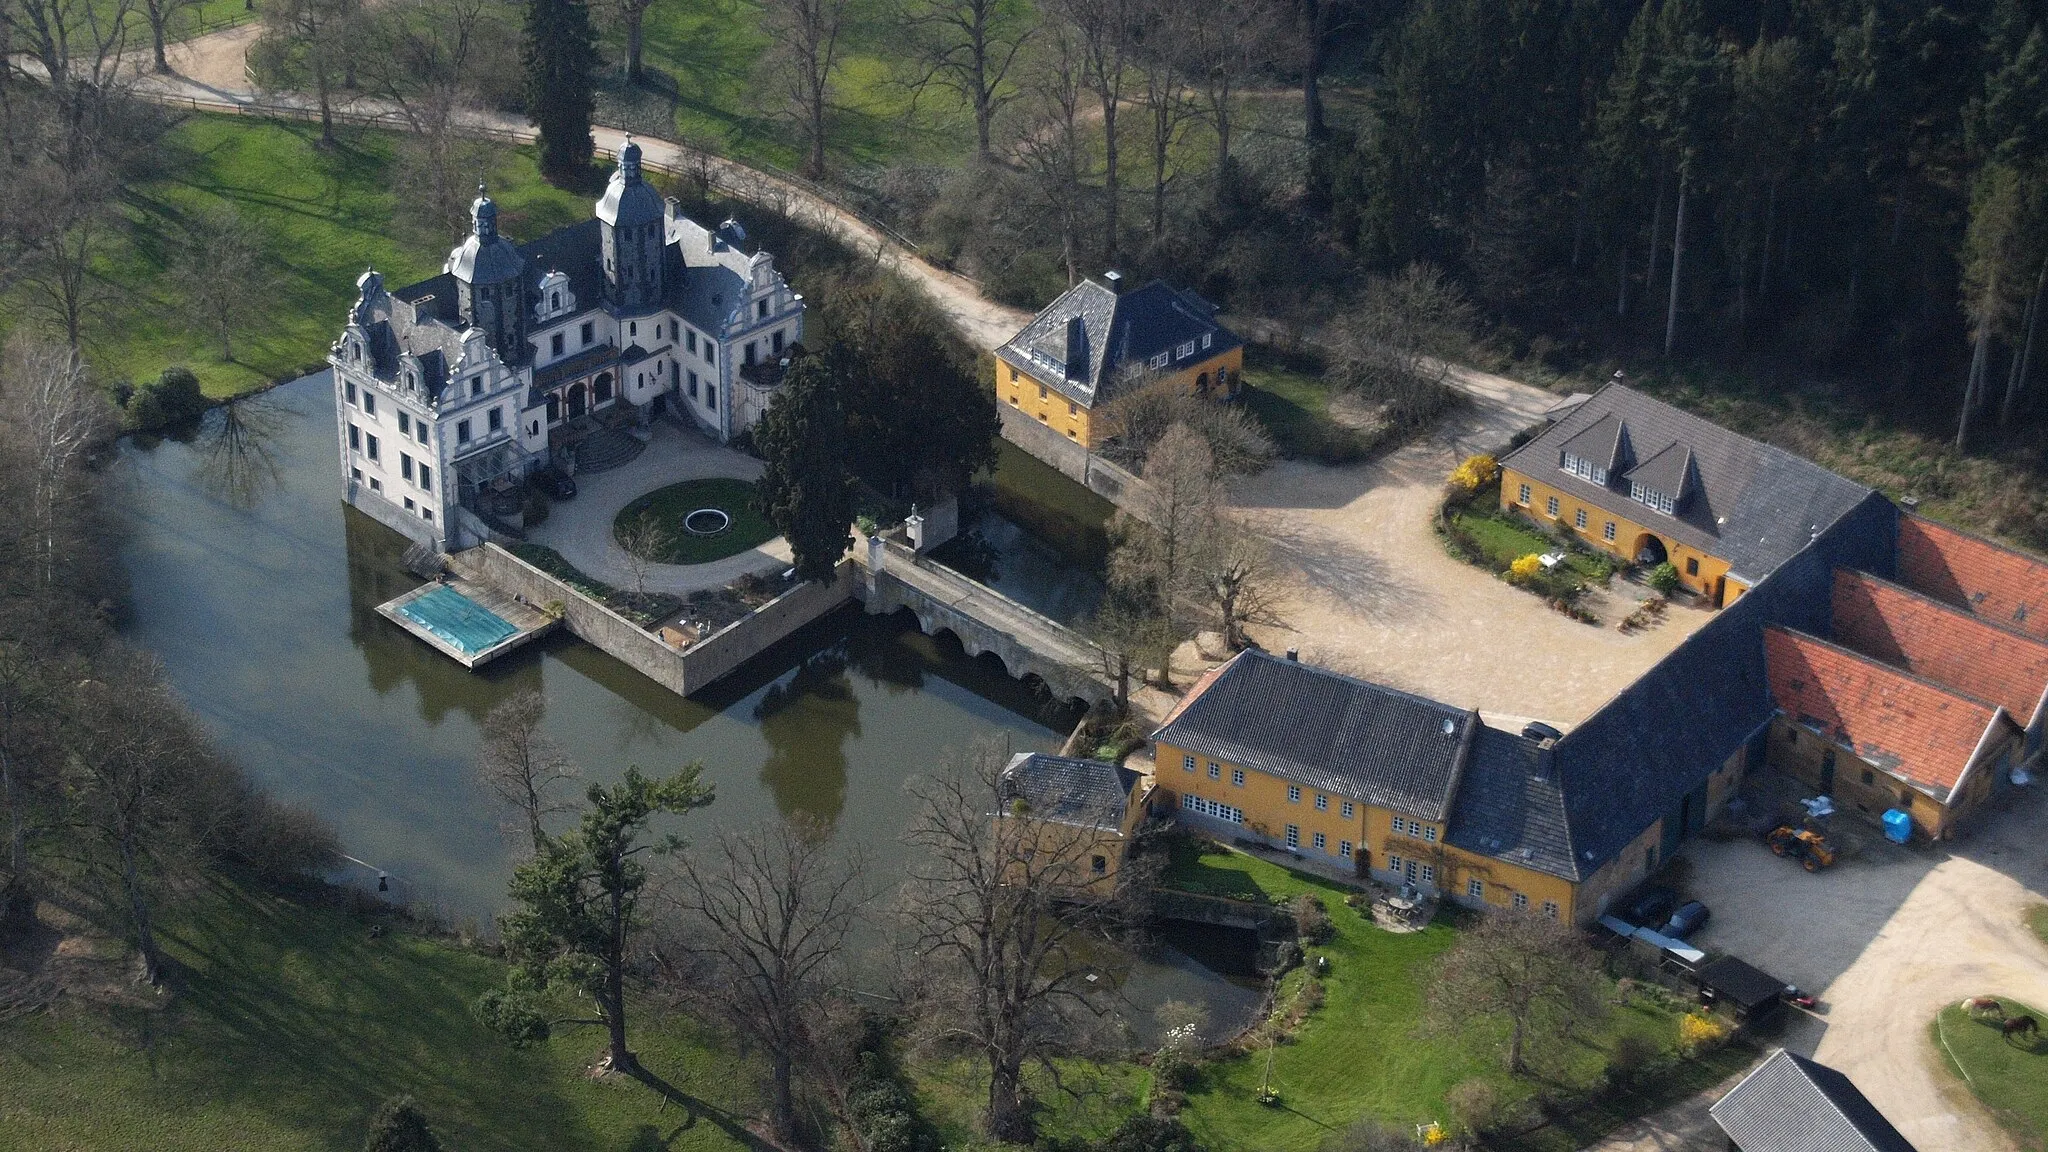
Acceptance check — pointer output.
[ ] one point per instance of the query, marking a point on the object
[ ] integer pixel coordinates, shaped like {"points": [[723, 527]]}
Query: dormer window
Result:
{"points": [[1208, 338], [1584, 469], [1160, 360], [1651, 497], [1184, 351]]}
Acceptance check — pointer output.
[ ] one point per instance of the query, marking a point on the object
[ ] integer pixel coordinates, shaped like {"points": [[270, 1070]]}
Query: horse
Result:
{"points": [[2022, 1027], [1983, 1006]]}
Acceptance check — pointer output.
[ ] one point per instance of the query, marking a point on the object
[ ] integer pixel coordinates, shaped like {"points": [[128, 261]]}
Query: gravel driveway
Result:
{"points": [[1368, 589], [581, 528], [1891, 936]]}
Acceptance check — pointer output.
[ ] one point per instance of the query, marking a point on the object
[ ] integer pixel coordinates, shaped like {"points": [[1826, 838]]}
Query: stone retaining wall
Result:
{"points": [[1076, 463], [681, 672]]}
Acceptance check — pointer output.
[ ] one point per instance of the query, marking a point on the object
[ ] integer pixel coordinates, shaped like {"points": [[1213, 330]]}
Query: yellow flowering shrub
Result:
{"points": [[1699, 1032], [1475, 473], [1525, 566]]}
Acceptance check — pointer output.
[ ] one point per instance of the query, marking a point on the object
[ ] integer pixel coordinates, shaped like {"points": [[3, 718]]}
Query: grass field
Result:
{"points": [[2037, 919], [716, 53], [669, 505], [1363, 1054], [323, 215], [2011, 1080], [291, 1023], [1293, 403]]}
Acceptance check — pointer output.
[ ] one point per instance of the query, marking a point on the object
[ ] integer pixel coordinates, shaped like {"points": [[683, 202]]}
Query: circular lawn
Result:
{"points": [[693, 522]]}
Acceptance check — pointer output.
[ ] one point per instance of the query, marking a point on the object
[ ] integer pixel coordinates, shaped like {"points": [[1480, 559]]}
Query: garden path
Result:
{"points": [[581, 528]]}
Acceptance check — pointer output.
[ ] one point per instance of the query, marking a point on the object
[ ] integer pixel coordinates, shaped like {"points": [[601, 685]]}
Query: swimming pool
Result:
{"points": [[457, 619]]}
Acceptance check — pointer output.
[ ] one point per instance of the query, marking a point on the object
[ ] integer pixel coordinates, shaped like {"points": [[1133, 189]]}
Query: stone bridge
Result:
{"points": [[983, 620]]}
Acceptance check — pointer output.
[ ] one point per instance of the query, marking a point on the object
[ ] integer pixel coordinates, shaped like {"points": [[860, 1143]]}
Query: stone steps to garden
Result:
{"points": [[603, 451]]}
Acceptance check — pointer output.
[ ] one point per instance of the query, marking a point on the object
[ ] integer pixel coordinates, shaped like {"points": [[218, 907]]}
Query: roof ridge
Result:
{"points": [[1988, 542], [1892, 669], [1948, 607], [1375, 685]]}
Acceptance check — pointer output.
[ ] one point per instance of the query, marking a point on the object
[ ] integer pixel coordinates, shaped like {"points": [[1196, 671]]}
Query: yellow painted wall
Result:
{"points": [[1376, 845], [1697, 570], [1046, 405], [1084, 846]]}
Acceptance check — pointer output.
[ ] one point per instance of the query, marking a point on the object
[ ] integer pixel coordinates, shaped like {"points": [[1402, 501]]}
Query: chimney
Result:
{"points": [[1077, 349], [1115, 280], [1294, 655]]}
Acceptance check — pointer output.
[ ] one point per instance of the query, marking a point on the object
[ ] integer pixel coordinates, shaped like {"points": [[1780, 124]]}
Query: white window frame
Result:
{"points": [[1344, 849], [1475, 889], [1320, 842], [1187, 762], [1215, 770], [1237, 777], [1521, 901], [1349, 808], [1322, 802], [1294, 793], [1428, 874], [1293, 836]]}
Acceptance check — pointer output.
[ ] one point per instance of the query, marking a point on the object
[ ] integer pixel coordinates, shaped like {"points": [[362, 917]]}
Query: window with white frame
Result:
{"points": [[1429, 873], [1522, 901], [1222, 812], [1394, 863], [1294, 836], [1215, 770], [1159, 361], [1651, 497], [1476, 889], [1579, 519], [1584, 469], [1237, 777], [1294, 794], [1321, 844], [1522, 496], [1607, 533], [1550, 909], [1344, 849], [1400, 825], [1349, 808], [1187, 763], [1184, 351], [1208, 339], [1550, 507], [1429, 833], [1322, 802]]}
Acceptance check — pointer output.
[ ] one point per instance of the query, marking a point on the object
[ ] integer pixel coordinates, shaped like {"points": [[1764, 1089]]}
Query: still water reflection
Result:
{"points": [[258, 590]]}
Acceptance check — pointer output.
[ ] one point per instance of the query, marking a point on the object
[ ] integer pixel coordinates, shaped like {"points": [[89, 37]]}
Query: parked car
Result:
{"points": [[1687, 920], [1652, 907], [1538, 730], [555, 482]]}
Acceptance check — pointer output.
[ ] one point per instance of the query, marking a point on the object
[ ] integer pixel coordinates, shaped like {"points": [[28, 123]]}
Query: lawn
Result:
{"points": [[715, 53], [2037, 919], [2011, 1081], [290, 1023], [668, 506], [1504, 538], [323, 216], [1292, 401], [1364, 1054]]}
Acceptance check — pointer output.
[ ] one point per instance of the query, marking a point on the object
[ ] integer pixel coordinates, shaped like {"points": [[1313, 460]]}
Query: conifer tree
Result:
{"points": [[559, 53], [807, 491], [400, 1126]]}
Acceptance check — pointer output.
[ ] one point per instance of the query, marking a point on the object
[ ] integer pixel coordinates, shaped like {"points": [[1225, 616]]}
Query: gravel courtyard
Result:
{"points": [[1369, 589]]}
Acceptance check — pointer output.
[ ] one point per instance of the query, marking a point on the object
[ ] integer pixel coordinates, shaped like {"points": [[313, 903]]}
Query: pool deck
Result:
{"points": [[530, 621]]}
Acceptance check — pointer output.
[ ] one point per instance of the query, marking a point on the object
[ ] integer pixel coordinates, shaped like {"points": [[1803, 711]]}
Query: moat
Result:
{"points": [[258, 590]]}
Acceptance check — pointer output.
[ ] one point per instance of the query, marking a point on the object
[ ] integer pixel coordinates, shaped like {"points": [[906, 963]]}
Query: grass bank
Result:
{"points": [[1289, 396], [321, 217], [2010, 1078], [290, 1022], [1365, 1053]]}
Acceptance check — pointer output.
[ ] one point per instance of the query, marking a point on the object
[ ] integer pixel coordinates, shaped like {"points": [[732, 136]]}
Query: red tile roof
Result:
{"points": [[1998, 583], [1913, 729], [1940, 642]]}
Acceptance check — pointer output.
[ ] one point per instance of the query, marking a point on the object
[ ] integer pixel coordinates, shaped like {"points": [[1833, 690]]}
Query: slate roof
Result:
{"points": [[1919, 731], [1086, 793], [708, 273], [1115, 330], [1751, 504], [576, 251], [1634, 759], [413, 320], [1329, 732], [2001, 584], [1792, 1104], [1510, 805]]}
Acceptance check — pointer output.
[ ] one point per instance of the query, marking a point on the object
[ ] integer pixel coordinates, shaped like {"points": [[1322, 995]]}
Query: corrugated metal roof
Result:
{"points": [[1793, 1104]]}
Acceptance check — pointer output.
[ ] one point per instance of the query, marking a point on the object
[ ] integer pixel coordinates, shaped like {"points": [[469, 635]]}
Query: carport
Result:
{"points": [[1749, 991]]}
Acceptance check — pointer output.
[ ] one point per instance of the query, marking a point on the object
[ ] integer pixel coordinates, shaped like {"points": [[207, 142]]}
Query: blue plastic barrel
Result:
{"points": [[1898, 826]]}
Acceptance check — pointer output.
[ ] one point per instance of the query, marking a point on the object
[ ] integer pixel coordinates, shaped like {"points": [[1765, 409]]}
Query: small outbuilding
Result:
{"points": [[1749, 992], [1793, 1104]]}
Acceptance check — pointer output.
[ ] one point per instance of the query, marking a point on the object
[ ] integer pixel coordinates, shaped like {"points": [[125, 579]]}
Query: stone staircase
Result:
{"points": [[603, 451]]}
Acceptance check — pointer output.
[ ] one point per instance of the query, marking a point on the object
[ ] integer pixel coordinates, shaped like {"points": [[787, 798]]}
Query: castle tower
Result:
{"points": [[490, 287], [630, 215]]}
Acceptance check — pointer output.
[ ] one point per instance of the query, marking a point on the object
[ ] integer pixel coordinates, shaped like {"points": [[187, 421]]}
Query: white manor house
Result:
{"points": [[517, 355]]}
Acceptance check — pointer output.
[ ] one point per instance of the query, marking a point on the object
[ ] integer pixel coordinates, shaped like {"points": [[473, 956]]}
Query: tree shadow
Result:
{"points": [[693, 1109]]}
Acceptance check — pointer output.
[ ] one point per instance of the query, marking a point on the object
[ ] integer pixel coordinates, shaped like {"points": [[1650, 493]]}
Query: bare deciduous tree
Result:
{"points": [[1156, 546], [1050, 149], [220, 275], [161, 14], [433, 60], [1167, 107], [54, 422], [1103, 32], [645, 540], [520, 765], [766, 920], [1394, 347], [309, 41], [804, 60], [1145, 405], [1227, 40], [1235, 566], [967, 47], [1530, 972], [1001, 959]]}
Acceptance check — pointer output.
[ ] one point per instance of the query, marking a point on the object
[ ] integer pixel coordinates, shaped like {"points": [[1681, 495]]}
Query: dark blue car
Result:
{"points": [[1686, 920]]}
